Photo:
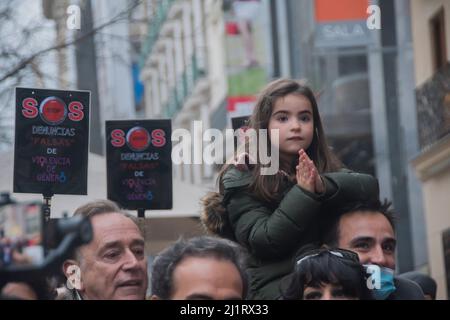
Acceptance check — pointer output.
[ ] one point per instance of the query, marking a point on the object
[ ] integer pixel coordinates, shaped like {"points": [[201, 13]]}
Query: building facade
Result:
{"points": [[431, 39], [183, 69]]}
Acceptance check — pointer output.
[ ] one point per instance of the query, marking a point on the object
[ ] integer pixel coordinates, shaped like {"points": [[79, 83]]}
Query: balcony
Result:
{"points": [[183, 89], [154, 29], [433, 108]]}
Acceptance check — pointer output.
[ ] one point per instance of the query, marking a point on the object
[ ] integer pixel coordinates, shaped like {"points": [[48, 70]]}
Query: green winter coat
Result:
{"points": [[273, 232]]}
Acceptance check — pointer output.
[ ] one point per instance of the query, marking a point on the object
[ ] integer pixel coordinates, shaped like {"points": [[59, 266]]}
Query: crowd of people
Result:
{"points": [[114, 266], [315, 230]]}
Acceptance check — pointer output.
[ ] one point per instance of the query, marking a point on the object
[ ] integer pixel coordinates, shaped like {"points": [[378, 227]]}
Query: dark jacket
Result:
{"points": [[425, 282], [406, 289], [273, 232]]}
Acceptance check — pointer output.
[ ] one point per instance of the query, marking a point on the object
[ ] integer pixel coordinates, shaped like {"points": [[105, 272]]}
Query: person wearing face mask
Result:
{"points": [[326, 274], [369, 230]]}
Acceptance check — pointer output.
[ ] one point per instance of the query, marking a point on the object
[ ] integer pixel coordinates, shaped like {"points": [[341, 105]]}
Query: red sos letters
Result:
{"points": [[51, 141], [52, 110], [138, 138]]}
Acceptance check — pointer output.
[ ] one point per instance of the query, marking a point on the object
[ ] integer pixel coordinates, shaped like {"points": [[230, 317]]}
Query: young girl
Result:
{"points": [[274, 215]]}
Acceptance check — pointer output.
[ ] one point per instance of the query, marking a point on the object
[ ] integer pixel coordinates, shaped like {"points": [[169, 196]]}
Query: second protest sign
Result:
{"points": [[139, 164]]}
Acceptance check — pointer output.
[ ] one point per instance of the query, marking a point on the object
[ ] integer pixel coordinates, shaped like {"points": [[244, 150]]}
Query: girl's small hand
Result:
{"points": [[306, 173], [244, 161], [320, 186], [240, 162]]}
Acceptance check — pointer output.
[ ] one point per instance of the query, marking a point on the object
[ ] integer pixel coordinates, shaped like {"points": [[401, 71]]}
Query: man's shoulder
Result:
{"points": [[406, 290]]}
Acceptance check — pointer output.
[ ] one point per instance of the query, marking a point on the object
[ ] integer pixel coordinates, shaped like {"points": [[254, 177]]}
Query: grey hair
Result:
{"points": [[100, 207]]}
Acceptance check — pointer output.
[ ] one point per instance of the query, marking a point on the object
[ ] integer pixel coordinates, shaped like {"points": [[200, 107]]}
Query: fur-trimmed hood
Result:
{"points": [[214, 216]]}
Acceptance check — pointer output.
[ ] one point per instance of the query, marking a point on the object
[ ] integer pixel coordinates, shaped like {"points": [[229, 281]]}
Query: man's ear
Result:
{"points": [[155, 297], [72, 272]]}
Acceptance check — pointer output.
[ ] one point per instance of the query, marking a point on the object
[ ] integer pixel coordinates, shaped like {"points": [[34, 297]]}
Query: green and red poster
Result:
{"points": [[247, 51]]}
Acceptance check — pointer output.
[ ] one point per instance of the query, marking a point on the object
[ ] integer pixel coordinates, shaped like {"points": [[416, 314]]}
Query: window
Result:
{"points": [[352, 64], [438, 42]]}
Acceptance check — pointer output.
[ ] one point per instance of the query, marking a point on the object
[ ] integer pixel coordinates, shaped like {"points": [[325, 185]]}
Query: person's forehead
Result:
{"points": [[293, 100], [114, 227], [324, 286], [365, 224], [204, 266], [206, 272]]}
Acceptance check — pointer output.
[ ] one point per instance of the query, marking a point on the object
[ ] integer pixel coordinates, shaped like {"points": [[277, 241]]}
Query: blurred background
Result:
{"points": [[384, 94]]}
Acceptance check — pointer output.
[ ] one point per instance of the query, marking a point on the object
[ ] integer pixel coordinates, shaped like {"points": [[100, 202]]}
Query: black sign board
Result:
{"points": [[139, 163], [239, 122], [51, 141]]}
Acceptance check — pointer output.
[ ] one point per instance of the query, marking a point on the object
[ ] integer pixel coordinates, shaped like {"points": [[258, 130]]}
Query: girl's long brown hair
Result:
{"points": [[266, 187]]}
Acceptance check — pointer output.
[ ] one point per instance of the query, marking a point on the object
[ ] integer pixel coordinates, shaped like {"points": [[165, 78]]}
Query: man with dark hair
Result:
{"points": [[113, 265], [369, 230], [353, 220], [203, 268]]}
